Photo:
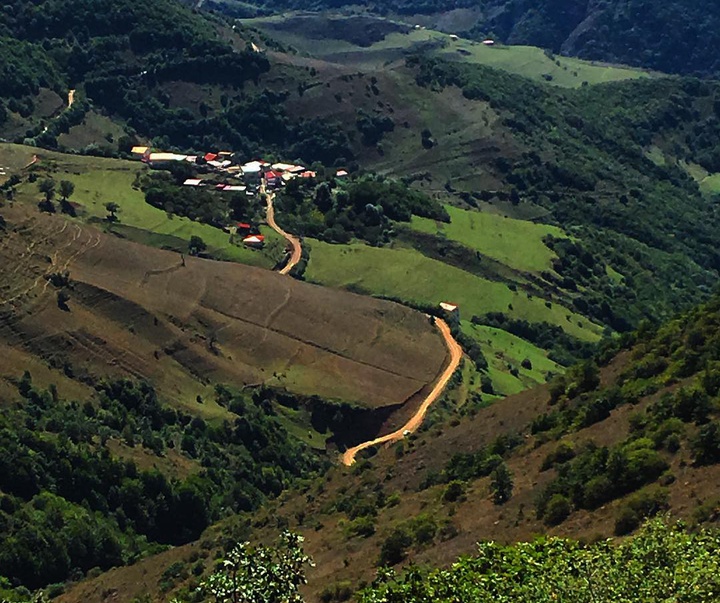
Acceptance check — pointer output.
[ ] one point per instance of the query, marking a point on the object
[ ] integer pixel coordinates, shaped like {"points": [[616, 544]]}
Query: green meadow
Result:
{"points": [[409, 275], [534, 63], [515, 243]]}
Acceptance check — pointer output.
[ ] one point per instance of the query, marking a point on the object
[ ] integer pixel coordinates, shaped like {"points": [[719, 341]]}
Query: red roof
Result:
{"points": [[210, 157], [243, 225], [272, 174]]}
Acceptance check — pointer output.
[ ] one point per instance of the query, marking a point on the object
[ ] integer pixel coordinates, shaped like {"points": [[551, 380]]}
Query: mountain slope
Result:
{"points": [[614, 31]]}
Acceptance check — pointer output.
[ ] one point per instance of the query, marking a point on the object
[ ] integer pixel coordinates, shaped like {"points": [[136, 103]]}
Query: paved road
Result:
{"points": [[455, 356], [296, 255]]}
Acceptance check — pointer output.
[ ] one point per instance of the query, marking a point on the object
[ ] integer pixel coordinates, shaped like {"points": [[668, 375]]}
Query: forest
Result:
{"points": [[124, 52], [68, 505]]}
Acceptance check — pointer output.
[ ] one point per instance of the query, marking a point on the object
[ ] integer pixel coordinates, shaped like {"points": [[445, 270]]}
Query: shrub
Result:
{"points": [[557, 510]]}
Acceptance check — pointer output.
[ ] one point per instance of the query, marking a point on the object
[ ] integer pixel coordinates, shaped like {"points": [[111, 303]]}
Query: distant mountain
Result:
{"points": [[673, 36]]}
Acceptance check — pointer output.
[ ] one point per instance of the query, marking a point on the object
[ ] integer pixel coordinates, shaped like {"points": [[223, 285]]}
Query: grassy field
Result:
{"points": [[409, 275], [709, 183], [516, 243], [503, 351], [533, 63], [98, 181]]}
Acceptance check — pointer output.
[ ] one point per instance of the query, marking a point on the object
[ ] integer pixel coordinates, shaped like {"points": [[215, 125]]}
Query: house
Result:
{"points": [[252, 171], [192, 182], [341, 174], [231, 188], [210, 157], [452, 310], [161, 159], [454, 37], [257, 241], [308, 174], [243, 227], [273, 178], [489, 42], [139, 150]]}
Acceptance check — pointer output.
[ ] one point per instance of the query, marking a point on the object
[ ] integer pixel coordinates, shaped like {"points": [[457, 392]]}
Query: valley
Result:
{"points": [[413, 282]]}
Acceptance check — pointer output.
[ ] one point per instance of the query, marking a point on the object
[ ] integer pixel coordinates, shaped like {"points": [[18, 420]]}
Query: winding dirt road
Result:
{"points": [[71, 98], [296, 254], [453, 346], [455, 356]]}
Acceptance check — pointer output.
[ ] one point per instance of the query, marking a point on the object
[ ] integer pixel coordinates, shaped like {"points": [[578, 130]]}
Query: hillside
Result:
{"points": [[509, 239], [588, 457], [187, 323], [613, 32]]}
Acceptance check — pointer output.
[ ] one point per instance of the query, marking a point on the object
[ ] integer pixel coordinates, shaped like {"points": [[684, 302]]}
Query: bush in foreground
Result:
{"points": [[662, 562]]}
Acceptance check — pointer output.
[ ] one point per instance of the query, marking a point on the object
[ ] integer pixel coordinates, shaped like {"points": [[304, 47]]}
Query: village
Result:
{"points": [[221, 171]]}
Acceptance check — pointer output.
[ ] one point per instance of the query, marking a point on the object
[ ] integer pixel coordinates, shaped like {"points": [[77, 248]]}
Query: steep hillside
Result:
{"points": [[589, 457]]}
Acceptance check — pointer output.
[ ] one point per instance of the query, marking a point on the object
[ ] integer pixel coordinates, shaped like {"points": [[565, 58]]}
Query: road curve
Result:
{"points": [[456, 353], [296, 254]]}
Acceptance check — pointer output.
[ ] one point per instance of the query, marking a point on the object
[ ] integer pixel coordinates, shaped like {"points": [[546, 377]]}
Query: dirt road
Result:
{"points": [[71, 98], [455, 356], [294, 241]]}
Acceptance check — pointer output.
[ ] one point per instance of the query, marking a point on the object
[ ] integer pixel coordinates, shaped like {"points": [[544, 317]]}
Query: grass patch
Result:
{"points": [[297, 424], [407, 274], [516, 243], [505, 354], [535, 64]]}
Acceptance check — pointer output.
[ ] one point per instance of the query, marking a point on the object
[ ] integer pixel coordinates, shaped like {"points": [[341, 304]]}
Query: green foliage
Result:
{"points": [[563, 348], [661, 563], [394, 548], [67, 503], [598, 475], [364, 208], [501, 484], [261, 574]]}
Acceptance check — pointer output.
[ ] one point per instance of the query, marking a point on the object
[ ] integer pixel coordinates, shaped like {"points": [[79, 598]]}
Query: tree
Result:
{"points": [[706, 446], [196, 245], [67, 188], [394, 549], [261, 574], [501, 483], [112, 209], [47, 188]]}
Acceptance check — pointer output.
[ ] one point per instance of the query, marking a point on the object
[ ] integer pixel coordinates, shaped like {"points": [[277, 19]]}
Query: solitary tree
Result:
{"points": [[112, 209], [501, 484], [196, 245], [67, 188], [47, 188]]}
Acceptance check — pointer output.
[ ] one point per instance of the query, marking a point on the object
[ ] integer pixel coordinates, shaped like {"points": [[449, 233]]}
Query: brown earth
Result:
{"points": [[187, 323]]}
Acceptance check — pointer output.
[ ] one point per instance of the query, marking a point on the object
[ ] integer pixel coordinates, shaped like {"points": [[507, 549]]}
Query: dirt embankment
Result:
{"points": [[416, 420]]}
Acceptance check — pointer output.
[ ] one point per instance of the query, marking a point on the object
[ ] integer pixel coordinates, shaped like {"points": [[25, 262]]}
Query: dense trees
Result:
{"points": [[67, 502], [363, 208]]}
